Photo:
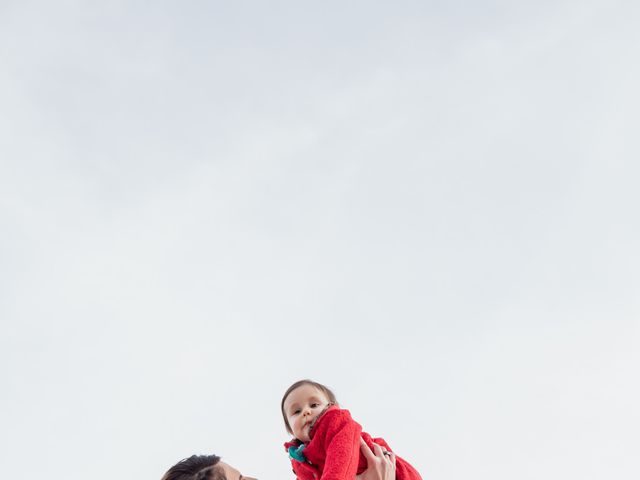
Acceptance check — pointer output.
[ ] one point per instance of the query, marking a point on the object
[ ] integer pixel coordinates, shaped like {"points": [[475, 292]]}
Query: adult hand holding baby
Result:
{"points": [[381, 465]]}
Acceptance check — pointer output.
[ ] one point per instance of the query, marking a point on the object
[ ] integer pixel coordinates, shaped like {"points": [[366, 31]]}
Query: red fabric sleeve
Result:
{"points": [[340, 436]]}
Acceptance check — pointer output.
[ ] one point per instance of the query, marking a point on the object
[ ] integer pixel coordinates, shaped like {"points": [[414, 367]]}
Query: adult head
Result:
{"points": [[203, 467]]}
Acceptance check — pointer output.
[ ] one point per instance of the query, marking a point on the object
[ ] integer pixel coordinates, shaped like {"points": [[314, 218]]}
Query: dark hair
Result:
{"points": [[330, 396], [196, 467]]}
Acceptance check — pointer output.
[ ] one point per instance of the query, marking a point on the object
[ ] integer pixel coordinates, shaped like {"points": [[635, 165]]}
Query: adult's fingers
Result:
{"points": [[378, 450], [366, 451], [392, 459]]}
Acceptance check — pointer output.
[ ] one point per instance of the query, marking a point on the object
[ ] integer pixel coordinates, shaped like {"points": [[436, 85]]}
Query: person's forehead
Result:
{"points": [[302, 392], [230, 472]]}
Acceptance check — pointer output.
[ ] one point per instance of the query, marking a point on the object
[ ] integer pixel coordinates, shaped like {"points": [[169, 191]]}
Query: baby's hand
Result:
{"points": [[381, 464]]}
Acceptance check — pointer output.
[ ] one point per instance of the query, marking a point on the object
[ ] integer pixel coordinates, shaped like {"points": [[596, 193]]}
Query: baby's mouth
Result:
{"points": [[309, 424]]}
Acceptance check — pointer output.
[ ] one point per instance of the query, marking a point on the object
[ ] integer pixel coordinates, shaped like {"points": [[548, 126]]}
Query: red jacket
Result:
{"points": [[333, 453]]}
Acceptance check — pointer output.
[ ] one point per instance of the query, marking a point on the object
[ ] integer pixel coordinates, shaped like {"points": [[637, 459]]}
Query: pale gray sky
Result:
{"points": [[429, 206]]}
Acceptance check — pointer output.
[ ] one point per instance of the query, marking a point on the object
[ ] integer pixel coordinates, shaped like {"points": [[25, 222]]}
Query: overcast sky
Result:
{"points": [[431, 207]]}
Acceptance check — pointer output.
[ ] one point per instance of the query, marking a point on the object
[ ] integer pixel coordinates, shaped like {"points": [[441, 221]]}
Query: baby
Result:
{"points": [[327, 440]]}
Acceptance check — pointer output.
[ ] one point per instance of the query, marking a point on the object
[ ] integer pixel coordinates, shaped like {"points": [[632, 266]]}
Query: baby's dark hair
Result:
{"points": [[326, 390]]}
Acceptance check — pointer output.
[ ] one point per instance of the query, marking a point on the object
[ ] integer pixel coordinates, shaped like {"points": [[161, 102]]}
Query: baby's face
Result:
{"points": [[302, 407]]}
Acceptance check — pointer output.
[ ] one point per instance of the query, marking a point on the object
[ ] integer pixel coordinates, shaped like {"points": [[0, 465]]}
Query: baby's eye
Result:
{"points": [[295, 412], [315, 405]]}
